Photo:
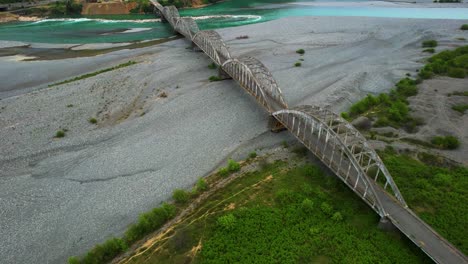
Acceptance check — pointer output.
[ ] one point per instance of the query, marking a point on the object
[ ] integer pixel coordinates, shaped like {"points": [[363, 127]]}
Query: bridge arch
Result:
{"points": [[213, 45], [343, 149], [253, 76], [171, 14], [187, 27]]}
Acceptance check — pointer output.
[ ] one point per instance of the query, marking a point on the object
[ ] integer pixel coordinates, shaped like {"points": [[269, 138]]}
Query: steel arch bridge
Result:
{"points": [[342, 149], [257, 80], [331, 138]]}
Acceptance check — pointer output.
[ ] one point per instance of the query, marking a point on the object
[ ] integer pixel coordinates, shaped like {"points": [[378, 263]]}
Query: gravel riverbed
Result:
{"points": [[59, 197]]}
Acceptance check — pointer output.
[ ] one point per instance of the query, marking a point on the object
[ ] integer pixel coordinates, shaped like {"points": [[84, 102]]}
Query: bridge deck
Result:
{"points": [[436, 247]]}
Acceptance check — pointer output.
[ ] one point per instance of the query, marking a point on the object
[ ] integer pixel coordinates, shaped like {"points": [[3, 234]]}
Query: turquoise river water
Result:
{"points": [[130, 28]]}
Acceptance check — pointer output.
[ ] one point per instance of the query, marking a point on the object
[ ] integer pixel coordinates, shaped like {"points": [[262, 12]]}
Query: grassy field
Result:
{"points": [[281, 214]]}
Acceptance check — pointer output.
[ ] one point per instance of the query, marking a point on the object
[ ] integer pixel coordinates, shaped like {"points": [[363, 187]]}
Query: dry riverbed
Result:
{"points": [[161, 124]]}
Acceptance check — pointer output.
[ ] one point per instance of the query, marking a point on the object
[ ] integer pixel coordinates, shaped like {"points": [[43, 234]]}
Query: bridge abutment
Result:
{"points": [[222, 74], [274, 125], [195, 47], [385, 224]]}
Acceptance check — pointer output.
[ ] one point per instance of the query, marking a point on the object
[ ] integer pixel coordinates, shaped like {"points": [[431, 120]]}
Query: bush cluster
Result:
{"points": [[452, 63], [212, 66], [464, 27], [147, 222], [300, 51], [446, 142], [214, 79], [231, 167], [180, 196], [429, 43]]}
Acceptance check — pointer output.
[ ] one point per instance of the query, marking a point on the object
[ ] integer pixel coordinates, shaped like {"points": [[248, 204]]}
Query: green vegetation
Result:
{"points": [[252, 155], [180, 196], [436, 194], [143, 6], [282, 215], [430, 50], [70, 105], [446, 142], [453, 63], [92, 120], [429, 43], [460, 108], [60, 134], [300, 51], [215, 79], [68, 7], [388, 109], [459, 93], [212, 66], [88, 75], [147, 223], [392, 109], [232, 166], [464, 27], [297, 64], [182, 3], [201, 185]]}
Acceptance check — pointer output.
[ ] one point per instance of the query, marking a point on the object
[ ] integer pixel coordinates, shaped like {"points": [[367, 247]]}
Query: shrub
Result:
{"points": [[447, 142], [345, 115], [223, 172], [180, 196], [307, 206], [287, 197], [429, 43], [252, 155], [149, 222], [456, 73], [461, 61], [202, 185], [326, 208], [407, 87], [460, 108], [212, 66], [337, 217], [73, 260], [398, 111], [233, 166], [430, 50], [214, 79], [227, 221], [300, 51], [297, 64], [93, 120], [60, 134], [464, 27], [105, 252]]}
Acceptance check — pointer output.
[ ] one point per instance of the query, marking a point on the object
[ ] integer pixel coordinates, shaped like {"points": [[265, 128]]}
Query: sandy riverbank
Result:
{"points": [[62, 196]]}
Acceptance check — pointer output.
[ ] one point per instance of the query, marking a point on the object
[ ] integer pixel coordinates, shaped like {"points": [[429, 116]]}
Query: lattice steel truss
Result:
{"points": [[343, 149], [213, 45], [187, 27], [254, 77]]}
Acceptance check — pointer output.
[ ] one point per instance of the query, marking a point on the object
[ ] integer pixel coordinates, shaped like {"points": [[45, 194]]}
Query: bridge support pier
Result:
{"points": [[195, 47], [385, 224], [222, 74], [274, 125]]}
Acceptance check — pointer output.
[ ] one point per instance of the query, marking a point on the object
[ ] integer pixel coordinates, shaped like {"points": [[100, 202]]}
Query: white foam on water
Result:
{"points": [[254, 17], [78, 20]]}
